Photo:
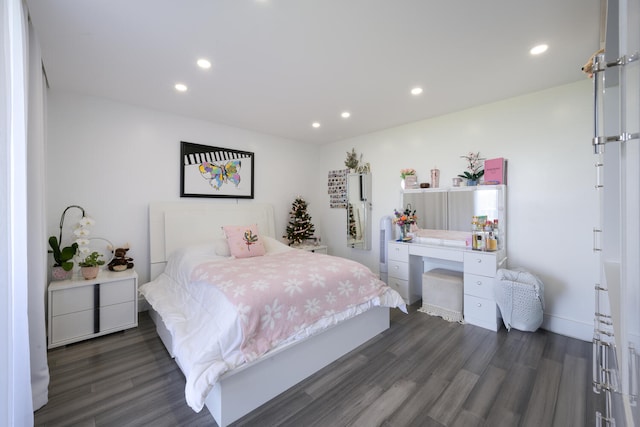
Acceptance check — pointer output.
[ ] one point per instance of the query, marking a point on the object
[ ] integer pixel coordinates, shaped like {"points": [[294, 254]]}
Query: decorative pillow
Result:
{"points": [[222, 247], [244, 241]]}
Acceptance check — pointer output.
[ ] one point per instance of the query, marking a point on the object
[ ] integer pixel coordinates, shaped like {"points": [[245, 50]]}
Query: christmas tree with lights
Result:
{"points": [[300, 227], [353, 233]]}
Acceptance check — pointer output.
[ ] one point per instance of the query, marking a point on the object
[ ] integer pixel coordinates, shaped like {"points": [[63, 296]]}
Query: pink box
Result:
{"points": [[495, 171]]}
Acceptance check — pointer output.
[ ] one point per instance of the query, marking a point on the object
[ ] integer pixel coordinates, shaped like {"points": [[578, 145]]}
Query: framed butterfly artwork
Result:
{"points": [[207, 171]]}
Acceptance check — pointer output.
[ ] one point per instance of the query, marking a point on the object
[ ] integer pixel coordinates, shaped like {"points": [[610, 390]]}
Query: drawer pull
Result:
{"points": [[479, 305], [396, 267], [479, 283], [478, 260]]}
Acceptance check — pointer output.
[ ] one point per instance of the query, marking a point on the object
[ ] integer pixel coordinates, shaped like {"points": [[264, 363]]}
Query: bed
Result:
{"points": [[185, 239]]}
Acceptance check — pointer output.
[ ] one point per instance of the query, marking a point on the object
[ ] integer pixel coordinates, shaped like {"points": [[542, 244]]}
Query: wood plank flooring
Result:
{"points": [[423, 371]]}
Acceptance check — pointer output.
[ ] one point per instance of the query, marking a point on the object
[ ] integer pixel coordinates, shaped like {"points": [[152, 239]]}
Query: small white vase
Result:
{"points": [[410, 182]]}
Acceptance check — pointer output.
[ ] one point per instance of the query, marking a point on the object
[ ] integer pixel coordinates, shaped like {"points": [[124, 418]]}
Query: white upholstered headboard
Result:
{"points": [[173, 225]]}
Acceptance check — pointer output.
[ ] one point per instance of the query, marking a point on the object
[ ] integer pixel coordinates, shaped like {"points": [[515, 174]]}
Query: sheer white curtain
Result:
{"points": [[16, 407], [37, 237]]}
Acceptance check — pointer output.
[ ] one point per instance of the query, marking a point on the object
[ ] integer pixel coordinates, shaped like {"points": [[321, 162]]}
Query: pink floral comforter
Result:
{"points": [[277, 295]]}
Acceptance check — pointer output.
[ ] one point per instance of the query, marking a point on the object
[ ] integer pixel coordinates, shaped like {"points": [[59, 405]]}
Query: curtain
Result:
{"points": [[16, 406], [37, 238]]}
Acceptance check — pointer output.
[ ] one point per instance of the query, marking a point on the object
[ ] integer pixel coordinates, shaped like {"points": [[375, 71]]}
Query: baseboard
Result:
{"points": [[568, 327]]}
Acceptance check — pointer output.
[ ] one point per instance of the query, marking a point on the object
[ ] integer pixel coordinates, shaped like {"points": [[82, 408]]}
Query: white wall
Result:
{"points": [[551, 198], [113, 159]]}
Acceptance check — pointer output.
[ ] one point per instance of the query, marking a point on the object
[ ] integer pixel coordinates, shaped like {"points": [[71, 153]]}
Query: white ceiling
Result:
{"points": [[279, 65]]}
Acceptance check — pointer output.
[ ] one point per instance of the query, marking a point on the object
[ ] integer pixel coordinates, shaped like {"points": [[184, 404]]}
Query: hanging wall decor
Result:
{"points": [[207, 171], [337, 188]]}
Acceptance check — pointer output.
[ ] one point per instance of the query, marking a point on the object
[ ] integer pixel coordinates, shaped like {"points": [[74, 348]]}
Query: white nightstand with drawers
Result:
{"points": [[81, 309], [318, 249]]}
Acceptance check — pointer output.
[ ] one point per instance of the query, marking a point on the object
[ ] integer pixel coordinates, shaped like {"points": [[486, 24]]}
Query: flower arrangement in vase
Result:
{"points": [[474, 169], [409, 178], [404, 220], [64, 258]]}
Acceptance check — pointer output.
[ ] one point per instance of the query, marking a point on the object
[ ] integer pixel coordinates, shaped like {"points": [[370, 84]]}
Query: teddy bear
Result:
{"points": [[588, 67], [120, 261]]}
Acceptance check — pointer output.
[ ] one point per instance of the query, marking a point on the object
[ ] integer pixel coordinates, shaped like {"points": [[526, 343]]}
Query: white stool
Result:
{"points": [[442, 292]]}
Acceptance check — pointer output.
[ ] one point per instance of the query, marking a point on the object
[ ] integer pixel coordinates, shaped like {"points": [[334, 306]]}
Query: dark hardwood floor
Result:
{"points": [[423, 371]]}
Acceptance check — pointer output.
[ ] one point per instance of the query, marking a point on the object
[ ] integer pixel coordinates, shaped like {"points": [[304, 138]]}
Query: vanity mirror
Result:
{"points": [[359, 211], [452, 209]]}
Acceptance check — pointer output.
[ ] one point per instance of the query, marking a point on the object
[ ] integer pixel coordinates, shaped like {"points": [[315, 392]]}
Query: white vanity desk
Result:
{"points": [[408, 261]]}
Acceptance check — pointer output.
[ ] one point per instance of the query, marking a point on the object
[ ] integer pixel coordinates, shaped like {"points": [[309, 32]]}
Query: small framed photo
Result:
{"points": [[207, 171]]}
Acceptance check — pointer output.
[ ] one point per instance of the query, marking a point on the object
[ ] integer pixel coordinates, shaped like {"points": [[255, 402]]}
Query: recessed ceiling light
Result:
{"points": [[180, 87], [537, 50], [315, 124], [203, 63], [416, 91], [345, 114]]}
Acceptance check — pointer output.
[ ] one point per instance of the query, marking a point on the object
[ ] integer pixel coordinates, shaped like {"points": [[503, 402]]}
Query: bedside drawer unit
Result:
{"points": [[72, 300], [479, 286], [398, 252], [81, 324], [318, 249], [482, 264], [81, 309], [399, 270]]}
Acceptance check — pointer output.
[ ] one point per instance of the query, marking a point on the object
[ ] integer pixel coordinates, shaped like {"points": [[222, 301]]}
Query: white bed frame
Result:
{"points": [[175, 224]]}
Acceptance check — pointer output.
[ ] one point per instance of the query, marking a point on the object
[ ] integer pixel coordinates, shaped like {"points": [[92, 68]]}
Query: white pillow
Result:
{"points": [[274, 246], [222, 247]]}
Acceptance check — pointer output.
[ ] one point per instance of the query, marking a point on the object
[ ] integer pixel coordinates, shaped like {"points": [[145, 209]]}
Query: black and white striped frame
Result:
{"points": [[195, 184]]}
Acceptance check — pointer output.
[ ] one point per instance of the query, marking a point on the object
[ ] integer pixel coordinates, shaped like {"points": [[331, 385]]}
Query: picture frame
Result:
{"points": [[207, 171]]}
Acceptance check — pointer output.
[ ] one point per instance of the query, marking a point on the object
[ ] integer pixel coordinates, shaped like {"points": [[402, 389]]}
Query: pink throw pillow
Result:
{"points": [[244, 241]]}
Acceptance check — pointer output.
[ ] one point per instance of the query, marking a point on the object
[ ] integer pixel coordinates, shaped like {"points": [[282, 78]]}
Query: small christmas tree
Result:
{"points": [[300, 226], [353, 233]]}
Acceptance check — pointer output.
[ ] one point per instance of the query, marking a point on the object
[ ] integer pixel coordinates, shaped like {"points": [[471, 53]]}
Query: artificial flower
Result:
{"points": [[406, 217], [81, 232], [473, 171], [407, 172], [86, 221]]}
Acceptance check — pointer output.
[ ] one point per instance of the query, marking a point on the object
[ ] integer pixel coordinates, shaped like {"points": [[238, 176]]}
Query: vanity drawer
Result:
{"points": [[398, 252], [479, 308], [399, 270], [437, 252], [479, 286], [400, 286], [480, 263]]}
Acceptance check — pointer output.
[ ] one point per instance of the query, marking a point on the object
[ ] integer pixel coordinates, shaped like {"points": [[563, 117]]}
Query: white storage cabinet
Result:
{"points": [[398, 275], [480, 307], [81, 309]]}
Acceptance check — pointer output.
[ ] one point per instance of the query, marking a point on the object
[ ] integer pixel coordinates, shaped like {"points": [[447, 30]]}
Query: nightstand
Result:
{"points": [[81, 309], [318, 249]]}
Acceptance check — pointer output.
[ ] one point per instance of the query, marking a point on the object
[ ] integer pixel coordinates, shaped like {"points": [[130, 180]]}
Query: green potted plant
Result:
{"points": [[90, 265], [352, 160], [63, 259], [473, 172]]}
